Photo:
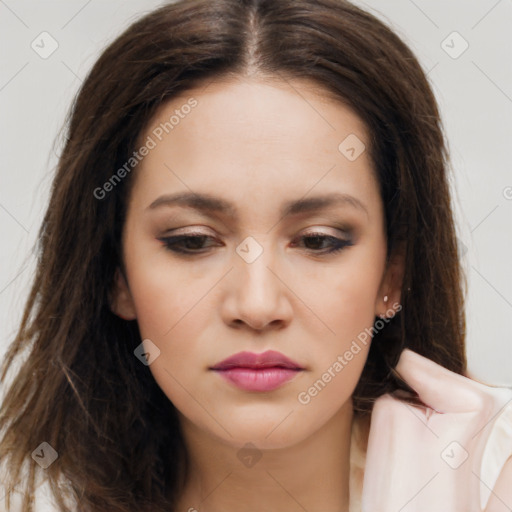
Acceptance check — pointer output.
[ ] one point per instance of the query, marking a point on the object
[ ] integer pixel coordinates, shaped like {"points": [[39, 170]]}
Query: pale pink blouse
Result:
{"points": [[445, 457]]}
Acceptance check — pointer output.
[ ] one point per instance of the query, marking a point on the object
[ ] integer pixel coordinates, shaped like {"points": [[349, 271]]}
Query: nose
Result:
{"points": [[258, 295]]}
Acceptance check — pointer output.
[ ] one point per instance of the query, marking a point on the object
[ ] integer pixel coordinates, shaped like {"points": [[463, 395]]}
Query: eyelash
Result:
{"points": [[172, 243]]}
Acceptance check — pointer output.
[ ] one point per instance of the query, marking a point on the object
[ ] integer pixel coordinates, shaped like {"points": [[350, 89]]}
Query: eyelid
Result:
{"points": [[345, 232], [337, 230], [187, 231]]}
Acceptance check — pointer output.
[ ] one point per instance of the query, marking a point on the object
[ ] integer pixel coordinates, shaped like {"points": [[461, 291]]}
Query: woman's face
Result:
{"points": [[281, 262]]}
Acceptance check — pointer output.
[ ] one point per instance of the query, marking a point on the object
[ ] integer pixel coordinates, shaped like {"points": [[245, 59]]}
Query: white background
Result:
{"points": [[474, 92]]}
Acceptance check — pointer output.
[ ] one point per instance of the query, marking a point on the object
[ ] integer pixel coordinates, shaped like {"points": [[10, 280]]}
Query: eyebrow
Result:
{"points": [[208, 203]]}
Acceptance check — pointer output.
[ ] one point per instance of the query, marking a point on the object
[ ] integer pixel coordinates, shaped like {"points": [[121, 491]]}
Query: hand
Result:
{"points": [[445, 457]]}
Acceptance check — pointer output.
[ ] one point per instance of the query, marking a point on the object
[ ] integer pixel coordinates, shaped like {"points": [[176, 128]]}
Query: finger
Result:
{"points": [[438, 387]]}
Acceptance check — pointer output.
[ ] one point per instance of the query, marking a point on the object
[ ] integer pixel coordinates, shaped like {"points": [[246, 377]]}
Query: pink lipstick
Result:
{"points": [[258, 372]]}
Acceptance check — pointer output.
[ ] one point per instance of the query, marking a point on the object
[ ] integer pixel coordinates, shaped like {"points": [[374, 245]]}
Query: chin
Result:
{"points": [[274, 432]]}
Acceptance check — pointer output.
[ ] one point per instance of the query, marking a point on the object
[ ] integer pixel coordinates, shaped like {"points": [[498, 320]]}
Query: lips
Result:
{"points": [[268, 359], [258, 372]]}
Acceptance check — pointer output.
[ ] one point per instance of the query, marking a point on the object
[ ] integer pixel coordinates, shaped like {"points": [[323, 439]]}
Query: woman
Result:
{"points": [[192, 344]]}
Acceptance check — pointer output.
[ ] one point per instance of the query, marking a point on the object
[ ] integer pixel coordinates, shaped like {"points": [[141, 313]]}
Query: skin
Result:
{"points": [[258, 143]]}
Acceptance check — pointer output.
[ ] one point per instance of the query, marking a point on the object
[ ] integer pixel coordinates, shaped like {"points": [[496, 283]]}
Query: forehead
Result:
{"points": [[256, 139], [248, 110]]}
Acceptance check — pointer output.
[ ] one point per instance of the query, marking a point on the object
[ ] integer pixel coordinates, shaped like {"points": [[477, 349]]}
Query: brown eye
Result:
{"points": [[316, 242], [185, 244]]}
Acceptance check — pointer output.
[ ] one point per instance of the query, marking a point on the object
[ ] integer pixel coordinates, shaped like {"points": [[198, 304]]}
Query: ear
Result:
{"points": [[121, 301], [391, 284]]}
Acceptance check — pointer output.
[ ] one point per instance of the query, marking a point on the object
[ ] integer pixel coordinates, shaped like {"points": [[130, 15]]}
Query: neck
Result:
{"points": [[310, 475]]}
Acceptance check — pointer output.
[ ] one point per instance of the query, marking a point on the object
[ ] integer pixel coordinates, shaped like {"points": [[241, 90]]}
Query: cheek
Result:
{"points": [[173, 317], [346, 306], [161, 290], [342, 296], [349, 303], [339, 356]]}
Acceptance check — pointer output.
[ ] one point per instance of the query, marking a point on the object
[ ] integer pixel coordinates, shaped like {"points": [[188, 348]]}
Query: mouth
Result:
{"points": [[258, 372]]}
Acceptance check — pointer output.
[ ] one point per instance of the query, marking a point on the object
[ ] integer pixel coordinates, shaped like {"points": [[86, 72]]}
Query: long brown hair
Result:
{"points": [[79, 387]]}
